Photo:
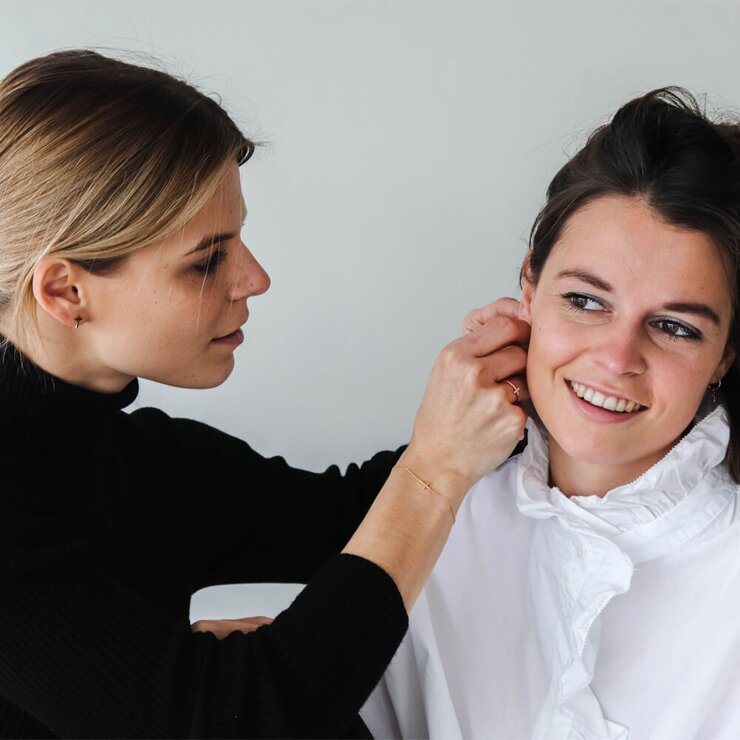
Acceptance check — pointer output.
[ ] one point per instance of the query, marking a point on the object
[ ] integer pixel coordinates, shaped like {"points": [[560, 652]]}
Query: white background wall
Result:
{"points": [[410, 147]]}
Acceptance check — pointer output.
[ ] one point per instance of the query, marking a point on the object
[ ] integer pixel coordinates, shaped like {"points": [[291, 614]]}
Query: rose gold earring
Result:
{"points": [[77, 321]]}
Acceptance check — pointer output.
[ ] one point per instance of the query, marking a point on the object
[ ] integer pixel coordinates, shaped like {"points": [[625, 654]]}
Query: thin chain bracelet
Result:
{"points": [[428, 487]]}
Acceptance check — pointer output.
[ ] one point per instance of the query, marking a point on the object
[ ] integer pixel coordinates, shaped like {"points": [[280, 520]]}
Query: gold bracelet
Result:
{"points": [[428, 487]]}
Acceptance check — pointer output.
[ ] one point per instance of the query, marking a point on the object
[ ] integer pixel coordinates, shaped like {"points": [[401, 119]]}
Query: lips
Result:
{"points": [[229, 334], [229, 340], [605, 400]]}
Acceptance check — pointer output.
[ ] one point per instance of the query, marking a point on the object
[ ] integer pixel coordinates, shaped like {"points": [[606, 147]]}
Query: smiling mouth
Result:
{"points": [[610, 403]]}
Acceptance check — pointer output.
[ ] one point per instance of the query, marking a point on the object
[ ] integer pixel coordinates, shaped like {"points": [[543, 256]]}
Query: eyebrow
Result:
{"points": [[209, 241], [698, 309], [213, 239], [587, 277]]}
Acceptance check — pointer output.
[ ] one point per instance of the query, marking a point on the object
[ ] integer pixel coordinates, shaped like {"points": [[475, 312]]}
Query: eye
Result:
{"points": [[210, 264], [581, 303], [675, 329]]}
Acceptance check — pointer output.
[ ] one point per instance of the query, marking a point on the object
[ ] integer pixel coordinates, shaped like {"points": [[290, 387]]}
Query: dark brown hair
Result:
{"points": [[664, 148]]}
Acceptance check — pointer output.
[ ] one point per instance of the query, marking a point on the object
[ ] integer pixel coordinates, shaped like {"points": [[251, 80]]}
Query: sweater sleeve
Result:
{"points": [[89, 656], [266, 521]]}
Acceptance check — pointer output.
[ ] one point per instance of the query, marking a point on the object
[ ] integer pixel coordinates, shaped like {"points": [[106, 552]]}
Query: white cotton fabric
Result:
{"points": [[585, 617]]}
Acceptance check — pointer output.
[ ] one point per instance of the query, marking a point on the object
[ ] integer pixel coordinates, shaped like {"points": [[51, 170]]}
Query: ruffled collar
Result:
{"points": [[668, 504]]}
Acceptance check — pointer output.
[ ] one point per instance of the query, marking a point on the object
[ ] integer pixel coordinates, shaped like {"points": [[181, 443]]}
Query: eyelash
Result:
{"points": [[691, 334], [213, 261]]}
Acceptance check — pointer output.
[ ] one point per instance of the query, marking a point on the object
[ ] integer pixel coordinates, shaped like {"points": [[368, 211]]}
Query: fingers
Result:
{"points": [[510, 360], [258, 621], [517, 388], [487, 357], [496, 333], [479, 316], [223, 627], [471, 415]]}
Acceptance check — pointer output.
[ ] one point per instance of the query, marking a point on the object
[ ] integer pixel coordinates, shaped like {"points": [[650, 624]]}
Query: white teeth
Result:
{"points": [[611, 403]]}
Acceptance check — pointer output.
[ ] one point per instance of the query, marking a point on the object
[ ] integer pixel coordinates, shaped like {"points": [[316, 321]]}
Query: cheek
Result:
{"points": [[547, 351], [158, 321], [182, 310], [681, 384], [552, 343]]}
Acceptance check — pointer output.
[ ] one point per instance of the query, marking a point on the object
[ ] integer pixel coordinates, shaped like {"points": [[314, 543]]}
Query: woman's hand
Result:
{"points": [[223, 627], [470, 418], [469, 421], [501, 307]]}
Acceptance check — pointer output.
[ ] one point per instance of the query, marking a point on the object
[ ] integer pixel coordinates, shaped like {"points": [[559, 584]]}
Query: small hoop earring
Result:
{"points": [[714, 389], [77, 321]]}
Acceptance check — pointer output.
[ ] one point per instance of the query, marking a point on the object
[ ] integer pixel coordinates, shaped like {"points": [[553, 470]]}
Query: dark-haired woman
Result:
{"points": [[591, 587], [120, 257]]}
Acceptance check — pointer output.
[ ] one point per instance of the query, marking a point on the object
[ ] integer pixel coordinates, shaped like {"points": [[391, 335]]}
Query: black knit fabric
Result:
{"points": [[109, 521]]}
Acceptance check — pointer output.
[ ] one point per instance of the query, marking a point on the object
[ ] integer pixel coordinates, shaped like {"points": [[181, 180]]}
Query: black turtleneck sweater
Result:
{"points": [[109, 521]]}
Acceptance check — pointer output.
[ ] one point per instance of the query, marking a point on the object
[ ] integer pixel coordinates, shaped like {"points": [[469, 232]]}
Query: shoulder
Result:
{"points": [[157, 427], [489, 514], [496, 491], [205, 445], [720, 490], [153, 419]]}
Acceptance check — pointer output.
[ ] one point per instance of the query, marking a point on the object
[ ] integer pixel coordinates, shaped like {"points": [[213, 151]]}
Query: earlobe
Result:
{"points": [[55, 289]]}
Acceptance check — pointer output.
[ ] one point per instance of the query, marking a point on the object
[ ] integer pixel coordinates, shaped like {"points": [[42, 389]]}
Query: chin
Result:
{"points": [[606, 446], [210, 381], [201, 380], [607, 450]]}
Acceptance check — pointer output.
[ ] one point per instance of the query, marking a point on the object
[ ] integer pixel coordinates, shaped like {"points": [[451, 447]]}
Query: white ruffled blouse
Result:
{"points": [[583, 617]]}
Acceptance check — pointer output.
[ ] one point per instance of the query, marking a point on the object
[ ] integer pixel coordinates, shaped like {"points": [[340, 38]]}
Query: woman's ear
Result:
{"points": [[55, 289], [528, 286], [724, 364]]}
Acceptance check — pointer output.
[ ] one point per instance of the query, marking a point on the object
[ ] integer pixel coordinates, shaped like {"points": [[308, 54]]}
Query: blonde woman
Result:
{"points": [[121, 257]]}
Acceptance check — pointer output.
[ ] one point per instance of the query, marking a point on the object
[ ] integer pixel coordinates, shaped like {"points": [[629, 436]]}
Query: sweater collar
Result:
{"points": [[665, 506], [39, 410]]}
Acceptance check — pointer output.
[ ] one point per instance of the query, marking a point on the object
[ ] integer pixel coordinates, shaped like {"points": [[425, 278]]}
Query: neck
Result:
{"points": [[579, 478], [56, 349]]}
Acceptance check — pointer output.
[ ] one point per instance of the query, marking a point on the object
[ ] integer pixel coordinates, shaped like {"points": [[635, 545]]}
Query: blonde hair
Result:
{"points": [[99, 158]]}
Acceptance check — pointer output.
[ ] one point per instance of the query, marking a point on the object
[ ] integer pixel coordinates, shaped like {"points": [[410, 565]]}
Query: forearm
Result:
{"points": [[468, 423], [407, 526]]}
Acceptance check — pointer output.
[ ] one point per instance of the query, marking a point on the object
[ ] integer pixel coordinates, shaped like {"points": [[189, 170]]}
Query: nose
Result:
{"points": [[621, 351], [249, 277]]}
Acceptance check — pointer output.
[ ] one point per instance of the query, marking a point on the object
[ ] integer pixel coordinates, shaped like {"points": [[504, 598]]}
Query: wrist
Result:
{"points": [[444, 479]]}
